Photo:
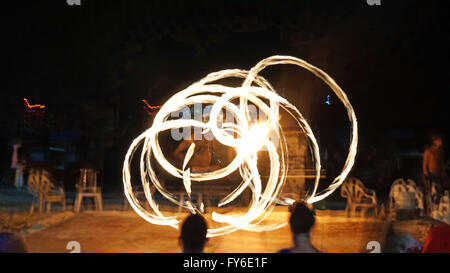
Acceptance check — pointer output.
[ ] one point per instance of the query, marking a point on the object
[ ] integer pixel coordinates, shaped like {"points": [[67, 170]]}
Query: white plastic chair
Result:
{"points": [[441, 212], [358, 196], [44, 191], [404, 194]]}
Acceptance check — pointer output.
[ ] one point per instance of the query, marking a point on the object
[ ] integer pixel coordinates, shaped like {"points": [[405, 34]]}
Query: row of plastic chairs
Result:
{"points": [[41, 185], [404, 194]]}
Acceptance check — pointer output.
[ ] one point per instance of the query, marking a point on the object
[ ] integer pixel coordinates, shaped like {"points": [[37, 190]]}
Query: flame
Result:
{"points": [[254, 139]]}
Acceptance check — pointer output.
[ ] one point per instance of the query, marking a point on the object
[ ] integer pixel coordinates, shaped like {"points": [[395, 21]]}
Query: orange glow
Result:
{"points": [[246, 139], [151, 107], [31, 107], [148, 111]]}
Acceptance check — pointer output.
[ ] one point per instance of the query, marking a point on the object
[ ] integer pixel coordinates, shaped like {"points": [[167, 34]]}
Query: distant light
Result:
{"points": [[149, 107], [31, 107], [57, 149], [328, 100]]}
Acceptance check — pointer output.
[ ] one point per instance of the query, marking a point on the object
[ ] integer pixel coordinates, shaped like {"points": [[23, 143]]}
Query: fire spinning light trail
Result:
{"points": [[244, 136]]}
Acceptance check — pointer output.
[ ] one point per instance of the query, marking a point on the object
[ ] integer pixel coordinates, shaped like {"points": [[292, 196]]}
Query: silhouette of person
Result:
{"points": [[18, 164], [201, 160], [193, 234], [396, 242], [434, 167], [12, 243], [301, 221]]}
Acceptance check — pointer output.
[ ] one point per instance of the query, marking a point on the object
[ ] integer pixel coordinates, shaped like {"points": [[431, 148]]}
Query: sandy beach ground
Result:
{"points": [[125, 231]]}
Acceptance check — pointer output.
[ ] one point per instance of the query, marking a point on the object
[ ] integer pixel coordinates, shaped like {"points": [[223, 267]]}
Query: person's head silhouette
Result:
{"points": [[12, 243], [302, 219], [193, 234]]}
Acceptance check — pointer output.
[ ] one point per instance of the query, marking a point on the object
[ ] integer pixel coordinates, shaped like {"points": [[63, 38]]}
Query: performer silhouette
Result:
{"points": [[201, 160]]}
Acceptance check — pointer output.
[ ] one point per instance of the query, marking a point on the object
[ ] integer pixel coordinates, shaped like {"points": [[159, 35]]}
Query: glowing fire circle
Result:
{"points": [[239, 135]]}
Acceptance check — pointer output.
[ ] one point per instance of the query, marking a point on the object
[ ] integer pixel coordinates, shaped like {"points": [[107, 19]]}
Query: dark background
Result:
{"points": [[91, 65]]}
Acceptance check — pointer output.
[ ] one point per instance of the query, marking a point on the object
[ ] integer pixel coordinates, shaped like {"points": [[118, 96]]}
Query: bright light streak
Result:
{"points": [[254, 139], [151, 106], [328, 100], [29, 106], [242, 136], [148, 108]]}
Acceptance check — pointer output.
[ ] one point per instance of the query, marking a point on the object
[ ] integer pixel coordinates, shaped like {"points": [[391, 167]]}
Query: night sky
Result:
{"points": [[91, 65]]}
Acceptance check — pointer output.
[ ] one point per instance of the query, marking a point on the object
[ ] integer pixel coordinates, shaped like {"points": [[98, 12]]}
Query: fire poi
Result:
{"points": [[245, 137]]}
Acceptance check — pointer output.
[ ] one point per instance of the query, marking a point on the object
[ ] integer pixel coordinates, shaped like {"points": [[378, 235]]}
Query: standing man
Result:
{"points": [[434, 166], [17, 165]]}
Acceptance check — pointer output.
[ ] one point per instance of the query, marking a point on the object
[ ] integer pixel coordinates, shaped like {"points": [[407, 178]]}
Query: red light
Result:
{"points": [[34, 106], [150, 106]]}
